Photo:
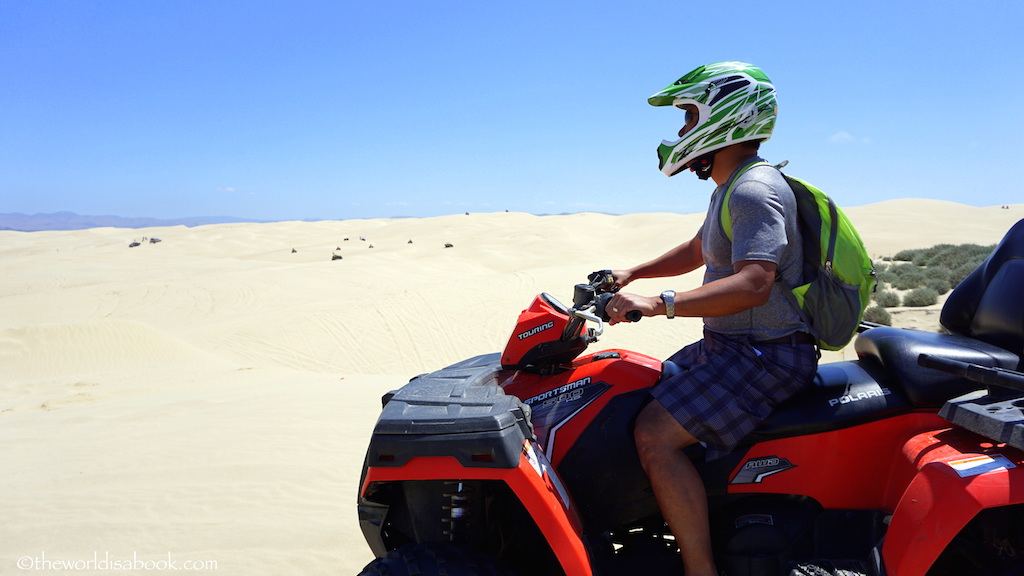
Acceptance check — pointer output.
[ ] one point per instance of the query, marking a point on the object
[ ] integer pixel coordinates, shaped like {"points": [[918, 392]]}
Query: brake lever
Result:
{"points": [[602, 281]]}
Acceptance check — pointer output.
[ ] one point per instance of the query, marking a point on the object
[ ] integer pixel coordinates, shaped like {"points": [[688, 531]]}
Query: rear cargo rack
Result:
{"points": [[997, 412]]}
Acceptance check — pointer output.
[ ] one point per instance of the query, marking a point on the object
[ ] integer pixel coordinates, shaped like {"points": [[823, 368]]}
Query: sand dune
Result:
{"points": [[209, 396]]}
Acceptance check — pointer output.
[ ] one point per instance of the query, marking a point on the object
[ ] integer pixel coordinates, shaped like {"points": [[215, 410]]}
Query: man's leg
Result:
{"points": [[677, 485]]}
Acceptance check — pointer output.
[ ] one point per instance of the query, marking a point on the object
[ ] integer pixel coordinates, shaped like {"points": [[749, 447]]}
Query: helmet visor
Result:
{"points": [[690, 117], [695, 114]]}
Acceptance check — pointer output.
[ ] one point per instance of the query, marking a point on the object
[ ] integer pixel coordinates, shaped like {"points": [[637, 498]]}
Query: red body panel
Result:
{"points": [[533, 483], [943, 499], [842, 469], [901, 465], [538, 324], [629, 371]]}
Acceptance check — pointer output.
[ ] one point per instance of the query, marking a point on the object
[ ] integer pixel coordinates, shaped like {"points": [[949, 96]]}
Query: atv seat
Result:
{"points": [[985, 315], [843, 394], [897, 351]]}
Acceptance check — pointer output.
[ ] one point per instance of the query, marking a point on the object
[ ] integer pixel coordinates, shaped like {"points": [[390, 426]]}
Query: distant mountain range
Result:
{"points": [[72, 221]]}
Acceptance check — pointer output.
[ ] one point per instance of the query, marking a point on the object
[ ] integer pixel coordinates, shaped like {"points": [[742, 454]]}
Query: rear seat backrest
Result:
{"points": [[989, 303], [985, 314]]}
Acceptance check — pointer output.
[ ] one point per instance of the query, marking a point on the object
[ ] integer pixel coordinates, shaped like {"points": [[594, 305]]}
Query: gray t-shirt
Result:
{"points": [[764, 227]]}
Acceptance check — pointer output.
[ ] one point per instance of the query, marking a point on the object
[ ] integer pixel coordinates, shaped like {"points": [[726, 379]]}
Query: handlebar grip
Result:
{"points": [[601, 302]]}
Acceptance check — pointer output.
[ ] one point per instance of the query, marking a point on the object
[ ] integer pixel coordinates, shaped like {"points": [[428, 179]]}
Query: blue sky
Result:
{"points": [[302, 109]]}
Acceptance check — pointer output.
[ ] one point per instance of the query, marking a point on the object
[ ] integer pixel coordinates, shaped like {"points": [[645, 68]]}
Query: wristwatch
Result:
{"points": [[669, 298]]}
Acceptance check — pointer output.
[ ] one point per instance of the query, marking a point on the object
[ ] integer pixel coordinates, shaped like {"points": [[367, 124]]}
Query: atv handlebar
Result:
{"points": [[602, 302], [602, 288], [589, 302]]}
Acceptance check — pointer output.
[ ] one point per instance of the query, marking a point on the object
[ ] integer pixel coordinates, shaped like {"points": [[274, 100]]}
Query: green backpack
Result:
{"points": [[838, 274]]}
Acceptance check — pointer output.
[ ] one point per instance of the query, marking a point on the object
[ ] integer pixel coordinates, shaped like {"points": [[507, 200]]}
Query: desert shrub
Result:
{"points": [[905, 255], [887, 277], [886, 298], [955, 256], [921, 297], [940, 285], [904, 276], [961, 272], [927, 256], [950, 262], [878, 315], [904, 268], [937, 271], [910, 279]]}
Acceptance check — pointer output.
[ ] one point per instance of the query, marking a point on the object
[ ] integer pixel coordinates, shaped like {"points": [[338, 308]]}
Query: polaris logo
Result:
{"points": [[533, 331], [848, 398]]}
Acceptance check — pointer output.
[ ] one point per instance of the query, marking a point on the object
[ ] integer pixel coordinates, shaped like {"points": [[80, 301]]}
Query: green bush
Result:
{"points": [[940, 285], [942, 261], [921, 297], [910, 280], [887, 277], [955, 256], [938, 271], [878, 315], [904, 268], [961, 272], [886, 298], [904, 276], [905, 255], [927, 256]]}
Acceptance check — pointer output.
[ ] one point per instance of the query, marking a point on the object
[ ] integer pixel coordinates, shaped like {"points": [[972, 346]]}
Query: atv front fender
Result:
{"points": [[955, 475], [532, 481], [457, 427]]}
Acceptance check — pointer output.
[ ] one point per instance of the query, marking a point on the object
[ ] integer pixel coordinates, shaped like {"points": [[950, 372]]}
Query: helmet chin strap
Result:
{"points": [[701, 166]]}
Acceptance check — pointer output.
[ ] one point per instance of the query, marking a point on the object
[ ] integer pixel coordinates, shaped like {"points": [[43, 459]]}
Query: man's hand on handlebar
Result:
{"points": [[626, 307], [609, 280], [622, 278]]}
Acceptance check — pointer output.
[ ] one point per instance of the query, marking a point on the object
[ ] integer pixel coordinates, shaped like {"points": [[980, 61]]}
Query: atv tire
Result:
{"points": [[829, 568], [434, 559]]}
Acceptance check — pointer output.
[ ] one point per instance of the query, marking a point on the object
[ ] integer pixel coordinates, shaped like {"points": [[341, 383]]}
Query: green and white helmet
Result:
{"points": [[735, 103]]}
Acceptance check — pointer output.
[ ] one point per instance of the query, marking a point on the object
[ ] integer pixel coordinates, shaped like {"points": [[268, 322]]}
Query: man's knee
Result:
{"points": [[655, 427], [646, 431], [657, 430]]}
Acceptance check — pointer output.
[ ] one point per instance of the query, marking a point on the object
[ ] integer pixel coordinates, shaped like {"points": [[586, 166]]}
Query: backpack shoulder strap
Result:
{"points": [[724, 217], [812, 206]]}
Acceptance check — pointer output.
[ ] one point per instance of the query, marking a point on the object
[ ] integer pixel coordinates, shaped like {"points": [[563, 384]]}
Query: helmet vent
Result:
{"points": [[727, 86]]}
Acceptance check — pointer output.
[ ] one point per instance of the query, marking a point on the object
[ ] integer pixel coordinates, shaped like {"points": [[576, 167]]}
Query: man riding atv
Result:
{"points": [[756, 351]]}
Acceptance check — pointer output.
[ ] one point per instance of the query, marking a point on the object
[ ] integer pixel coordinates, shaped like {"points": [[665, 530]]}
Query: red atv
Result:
{"points": [[905, 462]]}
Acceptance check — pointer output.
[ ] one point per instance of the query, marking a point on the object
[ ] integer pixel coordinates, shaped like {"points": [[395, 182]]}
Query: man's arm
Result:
{"points": [[750, 286]]}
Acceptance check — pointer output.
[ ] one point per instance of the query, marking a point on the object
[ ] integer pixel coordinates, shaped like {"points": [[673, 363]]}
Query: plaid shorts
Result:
{"points": [[720, 388]]}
